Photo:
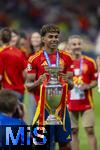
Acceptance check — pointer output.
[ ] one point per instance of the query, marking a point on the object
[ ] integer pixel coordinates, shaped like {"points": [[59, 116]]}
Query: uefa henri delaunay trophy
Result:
{"points": [[54, 91]]}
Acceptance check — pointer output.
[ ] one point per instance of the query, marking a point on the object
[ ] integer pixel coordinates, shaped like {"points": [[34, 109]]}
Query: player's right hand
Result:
{"points": [[42, 78]]}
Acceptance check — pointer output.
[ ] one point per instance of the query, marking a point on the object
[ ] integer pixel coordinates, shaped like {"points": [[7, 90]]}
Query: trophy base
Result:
{"points": [[53, 120]]}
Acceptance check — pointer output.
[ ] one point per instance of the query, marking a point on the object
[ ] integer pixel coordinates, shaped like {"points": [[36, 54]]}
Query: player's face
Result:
{"points": [[36, 39], [76, 45], [51, 40], [23, 43], [14, 39]]}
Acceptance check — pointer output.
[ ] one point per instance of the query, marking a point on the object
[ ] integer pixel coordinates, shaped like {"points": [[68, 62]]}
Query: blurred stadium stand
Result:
{"points": [[73, 17]]}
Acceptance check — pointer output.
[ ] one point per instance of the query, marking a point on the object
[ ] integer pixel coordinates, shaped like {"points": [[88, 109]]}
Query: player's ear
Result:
{"points": [[43, 39]]}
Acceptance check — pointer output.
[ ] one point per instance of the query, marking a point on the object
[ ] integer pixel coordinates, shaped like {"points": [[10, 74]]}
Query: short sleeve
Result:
{"points": [[94, 73], [69, 64], [24, 62], [1, 67], [31, 66]]}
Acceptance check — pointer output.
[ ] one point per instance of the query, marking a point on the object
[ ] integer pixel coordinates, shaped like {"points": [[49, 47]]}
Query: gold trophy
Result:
{"points": [[54, 91]]}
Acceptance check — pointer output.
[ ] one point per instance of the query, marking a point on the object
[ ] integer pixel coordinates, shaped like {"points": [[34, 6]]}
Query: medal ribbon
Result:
{"points": [[81, 65], [48, 60]]}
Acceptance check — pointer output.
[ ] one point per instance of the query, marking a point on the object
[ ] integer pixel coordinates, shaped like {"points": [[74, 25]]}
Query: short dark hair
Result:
{"points": [[49, 28], [8, 101], [5, 35]]}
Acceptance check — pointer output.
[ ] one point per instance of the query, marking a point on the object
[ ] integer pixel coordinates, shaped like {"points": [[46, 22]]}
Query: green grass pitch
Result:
{"points": [[82, 136]]}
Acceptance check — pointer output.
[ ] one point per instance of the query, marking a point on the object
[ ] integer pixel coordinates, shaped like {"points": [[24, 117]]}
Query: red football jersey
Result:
{"points": [[38, 62], [12, 65], [84, 71]]}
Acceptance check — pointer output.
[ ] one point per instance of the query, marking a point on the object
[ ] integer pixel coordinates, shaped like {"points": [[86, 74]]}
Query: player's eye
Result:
{"points": [[50, 36], [79, 43], [53, 36], [74, 44], [56, 37]]}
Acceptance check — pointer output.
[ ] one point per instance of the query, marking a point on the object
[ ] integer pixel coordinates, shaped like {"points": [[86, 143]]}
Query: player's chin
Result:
{"points": [[77, 52], [54, 46]]}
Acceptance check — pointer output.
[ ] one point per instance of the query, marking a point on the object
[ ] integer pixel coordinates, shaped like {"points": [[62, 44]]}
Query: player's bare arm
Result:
{"points": [[88, 86], [31, 83], [25, 74], [68, 79]]}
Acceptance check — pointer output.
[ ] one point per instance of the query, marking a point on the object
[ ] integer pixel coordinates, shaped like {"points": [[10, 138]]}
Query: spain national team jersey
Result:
{"points": [[2, 48], [38, 62], [84, 71], [12, 65]]}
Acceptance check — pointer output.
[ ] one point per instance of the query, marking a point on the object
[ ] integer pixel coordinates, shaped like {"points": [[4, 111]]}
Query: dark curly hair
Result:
{"points": [[49, 28], [5, 35]]}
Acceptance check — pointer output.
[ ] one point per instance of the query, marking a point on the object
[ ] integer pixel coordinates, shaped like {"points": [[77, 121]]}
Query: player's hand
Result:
{"points": [[67, 76], [42, 78], [64, 76], [85, 87]]}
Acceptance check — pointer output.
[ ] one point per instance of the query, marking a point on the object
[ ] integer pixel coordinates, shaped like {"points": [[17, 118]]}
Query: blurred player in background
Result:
{"points": [[14, 37], [35, 43], [12, 66], [23, 44], [80, 97]]}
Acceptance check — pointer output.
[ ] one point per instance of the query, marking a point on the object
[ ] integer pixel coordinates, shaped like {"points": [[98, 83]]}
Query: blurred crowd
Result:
{"points": [[26, 17], [73, 17]]}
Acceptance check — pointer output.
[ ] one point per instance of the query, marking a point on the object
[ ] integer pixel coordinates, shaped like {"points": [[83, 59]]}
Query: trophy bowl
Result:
{"points": [[53, 95]]}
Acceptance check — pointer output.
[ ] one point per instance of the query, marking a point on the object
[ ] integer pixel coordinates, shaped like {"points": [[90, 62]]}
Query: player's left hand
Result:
{"points": [[66, 76], [68, 79], [85, 87]]}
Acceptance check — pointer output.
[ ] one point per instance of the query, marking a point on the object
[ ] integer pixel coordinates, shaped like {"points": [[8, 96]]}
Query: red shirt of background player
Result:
{"points": [[12, 65], [88, 74]]}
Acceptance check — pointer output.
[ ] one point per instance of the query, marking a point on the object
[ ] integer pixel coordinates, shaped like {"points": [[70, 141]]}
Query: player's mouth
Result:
{"points": [[77, 49], [54, 44]]}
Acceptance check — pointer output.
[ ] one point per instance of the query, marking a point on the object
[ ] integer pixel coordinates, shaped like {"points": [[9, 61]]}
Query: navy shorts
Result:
{"points": [[57, 131]]}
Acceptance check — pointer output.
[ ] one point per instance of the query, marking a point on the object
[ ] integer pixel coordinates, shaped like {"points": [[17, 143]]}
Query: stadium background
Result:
{"points": [[73, 17]]}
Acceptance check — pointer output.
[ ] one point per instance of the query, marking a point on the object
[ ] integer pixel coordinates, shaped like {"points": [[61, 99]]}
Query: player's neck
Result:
{"points": [[37, 48], [79, 56], [50, 51]]}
